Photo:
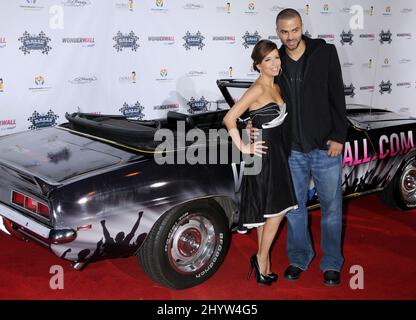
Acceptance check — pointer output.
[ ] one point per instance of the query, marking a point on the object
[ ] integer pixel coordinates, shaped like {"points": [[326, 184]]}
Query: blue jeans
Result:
{"points": [[326, 174]]}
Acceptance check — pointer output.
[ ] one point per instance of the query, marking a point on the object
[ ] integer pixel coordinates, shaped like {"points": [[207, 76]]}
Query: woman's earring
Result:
{"points": [[280, 71]]}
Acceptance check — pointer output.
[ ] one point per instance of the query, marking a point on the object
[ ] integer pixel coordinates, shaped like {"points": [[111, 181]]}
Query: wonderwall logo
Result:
{"points": [[385, 87], [224, 39], [134, 112], [404, 84], [346, 37], [2, 42], [250, 39], [327, 37], [126, 41], [76, 3], [83, 80], [405, 35], [193, 40], [197, 106], [43, 120], [84, 42], [169, 40], [367, 36], [385, 37], [33, 42], [7, 124], [349, 90], [369, 88]]}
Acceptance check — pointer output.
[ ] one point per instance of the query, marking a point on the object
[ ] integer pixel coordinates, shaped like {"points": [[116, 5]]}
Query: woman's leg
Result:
{"points": [[268, 233]]}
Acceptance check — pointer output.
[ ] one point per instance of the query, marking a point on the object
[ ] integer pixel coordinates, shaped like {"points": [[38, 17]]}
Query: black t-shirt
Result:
{"points": [[294, 71]]}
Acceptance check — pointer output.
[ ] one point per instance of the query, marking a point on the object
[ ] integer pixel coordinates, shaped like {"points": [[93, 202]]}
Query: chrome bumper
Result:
{"points": [[54, 236]]}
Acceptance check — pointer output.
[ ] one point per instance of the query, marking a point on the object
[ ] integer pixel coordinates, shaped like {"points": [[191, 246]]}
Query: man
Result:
{"points": [[316, 127]]}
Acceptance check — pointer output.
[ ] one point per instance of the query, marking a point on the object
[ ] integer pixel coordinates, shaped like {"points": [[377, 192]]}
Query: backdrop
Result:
{"points": [[143, 58]]}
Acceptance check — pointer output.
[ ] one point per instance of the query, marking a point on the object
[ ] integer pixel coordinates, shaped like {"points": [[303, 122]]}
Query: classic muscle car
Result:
{"points": [[94, 187]]}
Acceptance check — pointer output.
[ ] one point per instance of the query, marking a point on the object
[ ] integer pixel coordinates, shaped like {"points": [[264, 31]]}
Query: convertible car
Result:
{"points": [[94, 188]]}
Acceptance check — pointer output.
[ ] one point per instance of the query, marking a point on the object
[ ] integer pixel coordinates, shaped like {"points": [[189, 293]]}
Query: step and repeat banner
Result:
{"points": [[144, 58]]}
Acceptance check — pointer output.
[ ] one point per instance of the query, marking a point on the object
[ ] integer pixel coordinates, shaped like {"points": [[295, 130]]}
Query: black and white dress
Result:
{"points": [[269, 193]]}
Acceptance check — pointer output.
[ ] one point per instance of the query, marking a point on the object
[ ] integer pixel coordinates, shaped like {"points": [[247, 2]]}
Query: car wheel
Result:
{"points": [[401, 191], [186, 245]]}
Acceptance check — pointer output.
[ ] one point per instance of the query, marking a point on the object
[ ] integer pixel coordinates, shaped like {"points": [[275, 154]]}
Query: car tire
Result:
{"points": [[401, 191], [186, 245]]}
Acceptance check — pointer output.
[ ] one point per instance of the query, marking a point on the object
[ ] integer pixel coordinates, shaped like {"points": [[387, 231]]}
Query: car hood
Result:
{"points": [[55, 155], [366, 119]]}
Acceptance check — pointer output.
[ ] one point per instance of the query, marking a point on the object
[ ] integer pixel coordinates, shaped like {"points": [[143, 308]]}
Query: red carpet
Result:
{"points": [[381, 240]]}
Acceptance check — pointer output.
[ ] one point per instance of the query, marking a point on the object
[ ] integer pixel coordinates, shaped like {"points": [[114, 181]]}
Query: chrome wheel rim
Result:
{"points": [[191, 243], [408, 184]]}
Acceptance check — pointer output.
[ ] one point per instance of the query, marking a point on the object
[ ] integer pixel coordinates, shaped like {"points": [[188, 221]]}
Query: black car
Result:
{"points": [[93, 188]]}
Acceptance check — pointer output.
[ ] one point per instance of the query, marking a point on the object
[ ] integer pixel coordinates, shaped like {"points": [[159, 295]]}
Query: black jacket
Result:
{"points": [[323, 112]]}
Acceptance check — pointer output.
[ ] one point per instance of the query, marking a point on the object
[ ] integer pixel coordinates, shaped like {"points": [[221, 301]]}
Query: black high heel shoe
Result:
{"points": [[261, 279], [272, 276]]}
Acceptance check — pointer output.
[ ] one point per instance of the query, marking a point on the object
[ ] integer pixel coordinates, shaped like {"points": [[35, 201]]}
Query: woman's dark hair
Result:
{"points": [[260, 50]]}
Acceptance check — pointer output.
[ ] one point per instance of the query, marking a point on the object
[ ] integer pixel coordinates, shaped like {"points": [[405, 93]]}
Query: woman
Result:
{"points": [[267, 196]]}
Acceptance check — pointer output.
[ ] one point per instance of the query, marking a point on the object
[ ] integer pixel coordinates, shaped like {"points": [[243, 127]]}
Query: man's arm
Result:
{"points": [[338, 133], [337, 99]]}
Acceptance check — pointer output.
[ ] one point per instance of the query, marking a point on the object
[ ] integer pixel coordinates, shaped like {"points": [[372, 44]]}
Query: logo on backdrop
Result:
{"points": [[33, 42], [1, 85], [307, 34], [39, 82], [385, 87], [406, 35], [406, 10], [171, 106], [43, 120], [385, 36], [126, 41], [83, 80], [251, 9], [2, 42], [193, 6], [225, 39], [7, 124], [125, 5], [85, 42], [346, 37], [193, 40], [349, 90], [250, 39], [163, 39], [132, 78], [159, 6], [196, 106], [76, 3], [387, 11], [30, 5], [134, 112], [326, 37], [406, 84]]}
